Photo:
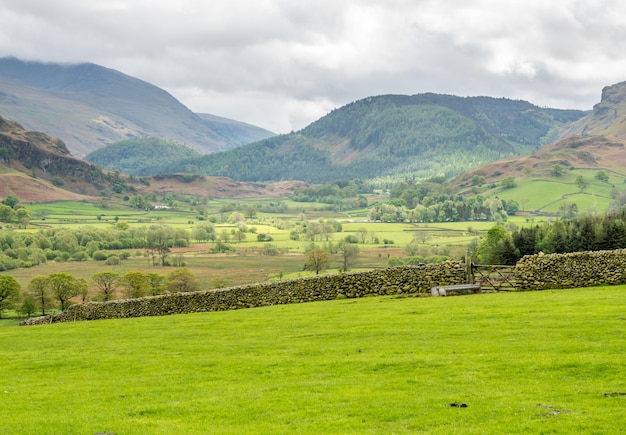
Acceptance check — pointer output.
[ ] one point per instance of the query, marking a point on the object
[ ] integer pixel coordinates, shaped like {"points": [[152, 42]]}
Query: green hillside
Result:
{"points": [[586, 171], [393, 135], [136, 156]]}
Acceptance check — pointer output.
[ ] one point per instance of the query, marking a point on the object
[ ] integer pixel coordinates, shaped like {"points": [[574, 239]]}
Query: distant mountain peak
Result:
{"points": [[614, 94], [71, 101]]}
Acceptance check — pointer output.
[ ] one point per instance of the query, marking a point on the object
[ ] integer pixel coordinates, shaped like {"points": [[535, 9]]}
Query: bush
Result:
{"points": [[221, 247], [115, 244], [269, 249], [80, 256], [394, 261], [113, 260], [100, 255], [351, 238], [50, 254], [413, 260], [264, 237], [124, 255], [181, 243]]}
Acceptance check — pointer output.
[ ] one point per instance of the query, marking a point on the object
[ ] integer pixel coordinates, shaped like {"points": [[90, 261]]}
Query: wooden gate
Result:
{"points": [[494, 277]]}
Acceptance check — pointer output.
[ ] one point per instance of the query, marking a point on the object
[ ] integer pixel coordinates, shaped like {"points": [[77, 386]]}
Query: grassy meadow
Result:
{"points": [[548, 194], [533, 362]]}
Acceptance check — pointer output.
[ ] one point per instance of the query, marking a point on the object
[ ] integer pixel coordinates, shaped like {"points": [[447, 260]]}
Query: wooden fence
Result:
{"points": [[492, 277]]}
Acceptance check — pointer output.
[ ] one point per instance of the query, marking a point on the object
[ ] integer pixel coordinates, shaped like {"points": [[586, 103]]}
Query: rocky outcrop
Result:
{"points": [[45, 157]]}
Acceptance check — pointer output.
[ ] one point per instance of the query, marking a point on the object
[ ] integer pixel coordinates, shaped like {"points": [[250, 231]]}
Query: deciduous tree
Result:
{"points": [[39, 287], [107, 282], [160, 240], [156, 283], [64, 286], [136, 283], [348, 253], [182, 280], [317, 259], [9, 292]]}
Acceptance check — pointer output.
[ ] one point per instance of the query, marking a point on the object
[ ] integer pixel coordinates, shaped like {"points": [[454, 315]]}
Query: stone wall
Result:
{"points": [[578, 269], [396, 280]]}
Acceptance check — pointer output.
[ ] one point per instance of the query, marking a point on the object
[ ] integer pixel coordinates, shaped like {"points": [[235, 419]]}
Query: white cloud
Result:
{"points": [[282, 64]]}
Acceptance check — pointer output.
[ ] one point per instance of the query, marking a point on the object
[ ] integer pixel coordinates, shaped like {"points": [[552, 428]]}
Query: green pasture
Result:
{"points": [[515, 363], [71, 214], [107, 212], [548, 194]]}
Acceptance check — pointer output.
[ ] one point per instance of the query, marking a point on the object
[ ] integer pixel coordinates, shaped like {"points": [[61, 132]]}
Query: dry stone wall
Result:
{"points": [[578, 269], [396, 280]]}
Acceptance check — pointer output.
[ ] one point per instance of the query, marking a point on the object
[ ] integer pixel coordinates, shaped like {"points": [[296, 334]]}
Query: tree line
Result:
{"points": [[584, 233], [56, 290], [20, 249]]}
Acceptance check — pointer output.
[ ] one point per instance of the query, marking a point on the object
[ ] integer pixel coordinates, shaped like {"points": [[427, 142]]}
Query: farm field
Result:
{"points": [[249, 263], [547, 195], [533, 362]]}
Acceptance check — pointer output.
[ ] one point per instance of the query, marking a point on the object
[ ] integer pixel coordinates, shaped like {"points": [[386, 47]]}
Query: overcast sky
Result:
{"points": [[282, 64]]}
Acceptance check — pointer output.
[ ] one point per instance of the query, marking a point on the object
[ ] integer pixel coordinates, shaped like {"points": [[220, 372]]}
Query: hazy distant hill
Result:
{"points": [[239, 132], [394, 135], [90, 106]]}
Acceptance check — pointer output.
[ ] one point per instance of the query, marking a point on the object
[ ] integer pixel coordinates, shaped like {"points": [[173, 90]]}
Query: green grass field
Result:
{"points": [[534, 362], [548, 194]]}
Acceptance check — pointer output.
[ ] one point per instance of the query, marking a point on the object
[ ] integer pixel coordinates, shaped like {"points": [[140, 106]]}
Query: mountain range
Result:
{"points": [[36, 167], [417, 136], [385, 137], [90, 106]]}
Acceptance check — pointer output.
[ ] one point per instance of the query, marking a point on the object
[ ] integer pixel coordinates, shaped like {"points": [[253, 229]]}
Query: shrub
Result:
{"points": [[113, 260], [264, 237], [100, 255], [50, 254], [269, 249], [414, 260], [80, 256], [394, 261], [351, 238], [115, 244]]}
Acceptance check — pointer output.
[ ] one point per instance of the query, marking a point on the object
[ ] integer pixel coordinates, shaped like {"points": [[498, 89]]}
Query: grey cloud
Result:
{"points": [[282, 64]]}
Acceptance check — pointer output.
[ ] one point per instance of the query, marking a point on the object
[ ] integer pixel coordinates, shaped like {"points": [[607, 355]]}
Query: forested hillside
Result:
{"points": [[137, 156], [393, 135]]}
